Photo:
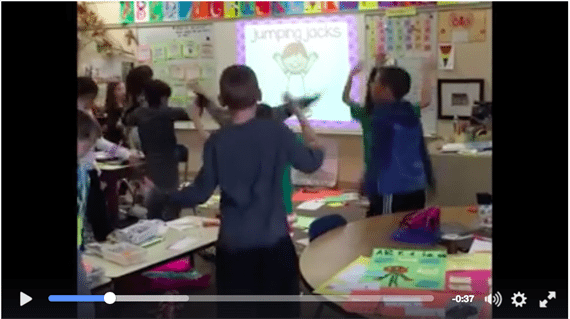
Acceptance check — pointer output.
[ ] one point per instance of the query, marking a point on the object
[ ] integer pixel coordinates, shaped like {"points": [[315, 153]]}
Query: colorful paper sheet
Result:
{"points": [[141, 11], [468, 281], [469, 261], [446, 56], [155, 9], [471, 21], [170, 11], [231, 10], [184, 10], [406, 268], [348, 279], [304, 195], [303, 222], [127, 14]]}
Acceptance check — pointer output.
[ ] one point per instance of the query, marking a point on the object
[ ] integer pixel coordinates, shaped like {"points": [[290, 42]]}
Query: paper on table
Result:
{"points": [[311, 204], [469, 261], [303, 195], [342, 198], [480, 246], [347, 279], [183, 243], [304, 241], [303, 221]]}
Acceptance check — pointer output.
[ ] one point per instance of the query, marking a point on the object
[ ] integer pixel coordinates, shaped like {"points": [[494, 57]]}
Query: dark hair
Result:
{"points": [[368, 104], [86, 86], [154, 90], [397, 79], [135, 81], [87, 127], [263, 111], [238, 87]]}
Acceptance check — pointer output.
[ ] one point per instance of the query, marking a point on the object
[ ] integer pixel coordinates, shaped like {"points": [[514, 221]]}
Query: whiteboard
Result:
{"points": [[178, 54], [411, 40]]}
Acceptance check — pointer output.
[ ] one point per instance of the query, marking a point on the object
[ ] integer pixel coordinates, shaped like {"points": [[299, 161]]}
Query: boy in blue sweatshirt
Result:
{"points": [[400, 170], [247, 160]]}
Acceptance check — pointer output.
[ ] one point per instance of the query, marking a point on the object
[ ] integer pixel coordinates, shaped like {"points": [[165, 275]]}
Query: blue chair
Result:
{"points": [[324, 224], [317, 228]]}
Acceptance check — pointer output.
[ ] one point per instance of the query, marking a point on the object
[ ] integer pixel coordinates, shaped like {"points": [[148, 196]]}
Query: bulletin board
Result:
{"points": [[409, 40], [178, 54]]}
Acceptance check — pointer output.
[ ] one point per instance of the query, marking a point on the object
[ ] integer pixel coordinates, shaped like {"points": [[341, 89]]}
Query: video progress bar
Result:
{"points": [[111, 298]]}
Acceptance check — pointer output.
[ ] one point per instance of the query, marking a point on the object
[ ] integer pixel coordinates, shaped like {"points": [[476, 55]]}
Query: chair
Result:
{"points": [[182, 157], [319, 227], [324, 224]]}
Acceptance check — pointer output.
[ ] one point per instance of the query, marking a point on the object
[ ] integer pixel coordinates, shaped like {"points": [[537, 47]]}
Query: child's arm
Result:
{"points": [[195, 117], [115, 150], [348, 86], [219, 114], [309, 134], [428, 79]]}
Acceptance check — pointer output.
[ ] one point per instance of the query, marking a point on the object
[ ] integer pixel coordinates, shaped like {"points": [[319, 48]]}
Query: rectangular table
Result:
{"points": [[159, 253]]}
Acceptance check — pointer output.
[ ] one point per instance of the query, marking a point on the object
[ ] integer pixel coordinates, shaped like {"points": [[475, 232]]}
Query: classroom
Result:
{"points": [[378, 182]]}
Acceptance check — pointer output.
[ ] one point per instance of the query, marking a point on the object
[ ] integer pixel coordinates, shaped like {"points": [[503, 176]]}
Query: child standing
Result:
{"points": [[363, 113], [400, 169], [158, 140], [88, 131], [280, 113], [254, 253]]}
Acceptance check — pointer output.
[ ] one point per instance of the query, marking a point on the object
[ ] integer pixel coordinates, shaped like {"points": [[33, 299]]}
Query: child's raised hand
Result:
{"points": [[357, 69]]}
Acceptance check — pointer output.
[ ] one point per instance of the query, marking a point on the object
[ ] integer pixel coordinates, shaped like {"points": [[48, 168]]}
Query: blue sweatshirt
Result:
{"points": [[400, 162], [247, 161]]}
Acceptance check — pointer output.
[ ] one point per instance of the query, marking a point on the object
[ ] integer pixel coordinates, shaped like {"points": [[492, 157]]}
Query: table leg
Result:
{"points": [[112, 197]]}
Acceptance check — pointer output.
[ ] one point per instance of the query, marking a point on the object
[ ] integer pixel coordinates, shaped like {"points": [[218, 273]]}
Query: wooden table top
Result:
{"points": [[331, 252]]}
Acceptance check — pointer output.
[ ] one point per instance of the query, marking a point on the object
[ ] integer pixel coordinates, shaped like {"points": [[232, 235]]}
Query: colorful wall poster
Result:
{"points": [[471, 21], [296, 7], [144, 53], [279, 8], [155, 9], [190, 48], [141, 11], [200, 10], [158, 53], [231, 10], [173, 50], [216, 9], [263, 8], [367, 5], [313, 7], [184, 10], [127, 14], [247, 8], [446, 56], [330, 6], [170, 11], [406, 268]]}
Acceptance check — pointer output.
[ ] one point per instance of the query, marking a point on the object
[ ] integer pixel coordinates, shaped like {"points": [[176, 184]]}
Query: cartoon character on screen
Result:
{"points": [[395, 272], [296, 64]]}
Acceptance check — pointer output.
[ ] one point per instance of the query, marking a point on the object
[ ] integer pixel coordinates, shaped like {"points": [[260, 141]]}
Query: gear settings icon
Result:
{"points": [[517, 296]]}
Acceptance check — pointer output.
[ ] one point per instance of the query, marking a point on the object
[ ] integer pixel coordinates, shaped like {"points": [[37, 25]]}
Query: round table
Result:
{"points": [[329, 253]]}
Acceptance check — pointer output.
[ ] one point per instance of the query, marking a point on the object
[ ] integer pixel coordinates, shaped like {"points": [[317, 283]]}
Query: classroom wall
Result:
{"points": [[472, 60]]}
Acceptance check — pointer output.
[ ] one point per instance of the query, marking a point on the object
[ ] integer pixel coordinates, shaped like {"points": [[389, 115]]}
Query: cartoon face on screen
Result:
{"points": [[295, 64]]}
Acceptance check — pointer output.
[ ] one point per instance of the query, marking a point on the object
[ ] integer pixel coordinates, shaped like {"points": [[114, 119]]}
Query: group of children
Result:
{"points": [[249, 159]]}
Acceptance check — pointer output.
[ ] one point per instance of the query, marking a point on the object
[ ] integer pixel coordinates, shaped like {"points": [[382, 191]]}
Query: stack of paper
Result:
{"points": [[183, 243], [184, 223], [311, 204]]}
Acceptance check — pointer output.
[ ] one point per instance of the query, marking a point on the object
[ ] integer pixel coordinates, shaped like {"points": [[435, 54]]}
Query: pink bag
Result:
{"points": [[427, 219]]}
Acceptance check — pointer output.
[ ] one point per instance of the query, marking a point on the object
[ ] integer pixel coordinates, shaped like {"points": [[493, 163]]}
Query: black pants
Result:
{"points": [[263, 271], [395, 203]]}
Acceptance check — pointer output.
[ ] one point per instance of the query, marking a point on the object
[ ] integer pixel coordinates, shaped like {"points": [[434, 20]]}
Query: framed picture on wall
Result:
{"points": [[458, 97]]}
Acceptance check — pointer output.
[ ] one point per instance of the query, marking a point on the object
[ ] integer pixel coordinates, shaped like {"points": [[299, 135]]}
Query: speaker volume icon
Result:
{"points": [[496, 299]]}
